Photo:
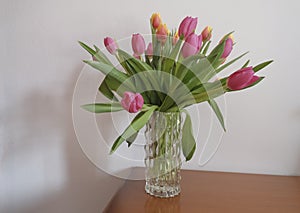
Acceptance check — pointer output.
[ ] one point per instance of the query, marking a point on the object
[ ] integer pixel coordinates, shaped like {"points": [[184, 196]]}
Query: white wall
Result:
{"points": [[42, 168]]}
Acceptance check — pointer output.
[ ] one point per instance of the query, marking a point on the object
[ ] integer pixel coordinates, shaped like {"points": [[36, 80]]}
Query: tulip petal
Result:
{"points": [[139, 101], [127, 99], [206, 33], [183, 26], [240, 79], [138, 44], [162, 33], [227, 48], [110, 45], [155, 20], [192, 26], [190, 46], [149, 50], [132, 102], [187, 26], [253, 80]]}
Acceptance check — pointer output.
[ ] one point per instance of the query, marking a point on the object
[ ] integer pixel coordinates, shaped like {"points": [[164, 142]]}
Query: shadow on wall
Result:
{"points": [[43, 168]]}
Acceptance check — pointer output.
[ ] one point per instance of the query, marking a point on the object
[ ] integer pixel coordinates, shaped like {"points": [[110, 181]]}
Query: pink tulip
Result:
{"points": [[132, 102], [191, 45], [155, 20], [149, 50], [241, 79], [187, 26], [110, 45], [253, 79], [162, 33], [138, 44], [206, 33], [228, 47]]}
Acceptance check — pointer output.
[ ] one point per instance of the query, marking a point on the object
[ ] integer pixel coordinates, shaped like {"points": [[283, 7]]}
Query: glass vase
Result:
{"points": [[163, 154]]}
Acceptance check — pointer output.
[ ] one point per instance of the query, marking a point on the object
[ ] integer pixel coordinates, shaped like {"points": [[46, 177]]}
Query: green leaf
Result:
{"points": [[120, 79], [188, 140], [87, 48], [206, 92], [246, 64], [132, 138], [106, 91], [179, 86], [223, 81], [145, 81], [135, 126], [103, 107], [108, 70], [99, 55], [206, 48], [96, 53], [215, 60], [167, 46], [150, 81], [261, 66], [230, 62], [219, 47], [156, 49], [185, 68], [166, 104], [139, 65], [217, 111], [170, 59], [200, 70], [122, 60]]}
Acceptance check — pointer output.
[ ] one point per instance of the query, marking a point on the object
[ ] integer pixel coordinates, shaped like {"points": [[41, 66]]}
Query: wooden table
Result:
{"points": [[214, 192]]}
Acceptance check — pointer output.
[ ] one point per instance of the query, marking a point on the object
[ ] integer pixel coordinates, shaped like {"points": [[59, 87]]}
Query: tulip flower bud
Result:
{"points": [[132, 102], [191, 45], [241, 79], [206, 33], [138, 44], [110, 45], [155, 20], [175, 38], [162, 33], [228, 47], [187, 27], [149, 50]]}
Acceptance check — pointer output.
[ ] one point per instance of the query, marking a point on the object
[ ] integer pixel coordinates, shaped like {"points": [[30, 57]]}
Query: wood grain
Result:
{"points": [[214, 192]]}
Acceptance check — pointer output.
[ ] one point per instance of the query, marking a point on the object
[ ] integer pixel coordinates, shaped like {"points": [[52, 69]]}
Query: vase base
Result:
{"points": [[162, 191]]}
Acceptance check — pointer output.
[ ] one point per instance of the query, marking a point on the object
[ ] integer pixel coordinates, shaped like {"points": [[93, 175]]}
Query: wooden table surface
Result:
{"points": [[214, 192]]}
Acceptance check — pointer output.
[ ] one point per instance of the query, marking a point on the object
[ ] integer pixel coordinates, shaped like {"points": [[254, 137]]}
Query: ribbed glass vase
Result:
{"points": [[163, 154]]}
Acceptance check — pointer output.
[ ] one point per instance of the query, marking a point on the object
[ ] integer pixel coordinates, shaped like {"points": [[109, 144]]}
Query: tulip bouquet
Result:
{"points": [[175, 70]]}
